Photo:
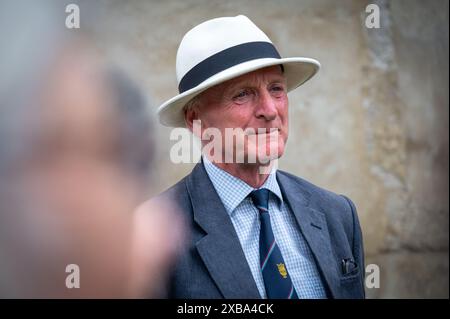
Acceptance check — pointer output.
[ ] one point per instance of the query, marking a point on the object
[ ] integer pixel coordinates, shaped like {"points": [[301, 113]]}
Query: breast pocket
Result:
{"points": [[349, 266], [351, 280]]}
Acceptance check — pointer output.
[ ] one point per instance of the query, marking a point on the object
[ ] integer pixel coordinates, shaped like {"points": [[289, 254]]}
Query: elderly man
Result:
{"points": [[254, 233]]}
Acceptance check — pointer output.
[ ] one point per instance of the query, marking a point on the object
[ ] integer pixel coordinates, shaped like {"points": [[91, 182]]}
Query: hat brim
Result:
{"points": [[296, 70]]}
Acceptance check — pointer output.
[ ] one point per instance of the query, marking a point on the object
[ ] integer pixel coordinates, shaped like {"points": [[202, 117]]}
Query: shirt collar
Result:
{"points": [[232, 190]]}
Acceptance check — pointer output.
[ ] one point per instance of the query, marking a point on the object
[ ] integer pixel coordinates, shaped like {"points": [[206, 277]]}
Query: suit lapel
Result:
{"points": [[314, 228], [220, 248]]}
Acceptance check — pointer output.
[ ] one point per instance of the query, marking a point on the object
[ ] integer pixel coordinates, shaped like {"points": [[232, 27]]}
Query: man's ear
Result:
{"points": [[190, 115]]}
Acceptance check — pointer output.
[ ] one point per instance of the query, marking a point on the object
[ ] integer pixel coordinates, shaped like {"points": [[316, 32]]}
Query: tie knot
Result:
{"points": [[260, 198]]}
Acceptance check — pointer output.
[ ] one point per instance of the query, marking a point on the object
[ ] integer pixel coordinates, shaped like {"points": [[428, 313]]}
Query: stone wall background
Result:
{"points": [[373, 124]]}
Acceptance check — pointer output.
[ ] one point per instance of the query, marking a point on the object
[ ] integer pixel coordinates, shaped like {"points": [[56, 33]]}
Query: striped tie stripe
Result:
{"points": [[277, 282], [268, 255]]}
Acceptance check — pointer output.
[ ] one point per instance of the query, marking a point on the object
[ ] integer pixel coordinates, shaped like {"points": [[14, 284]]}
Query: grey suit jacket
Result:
{"points": [[213, 264]]}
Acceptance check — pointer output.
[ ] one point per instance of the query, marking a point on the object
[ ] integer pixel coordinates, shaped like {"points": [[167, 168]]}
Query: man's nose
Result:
{"points": [[266, 108]]}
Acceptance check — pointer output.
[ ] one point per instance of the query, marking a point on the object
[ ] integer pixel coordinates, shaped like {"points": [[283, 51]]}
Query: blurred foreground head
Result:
{"points": [[75, 154]]}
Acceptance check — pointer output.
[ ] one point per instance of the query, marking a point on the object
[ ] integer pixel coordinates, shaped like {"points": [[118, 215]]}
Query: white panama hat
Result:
{"points": [[221, 49]]}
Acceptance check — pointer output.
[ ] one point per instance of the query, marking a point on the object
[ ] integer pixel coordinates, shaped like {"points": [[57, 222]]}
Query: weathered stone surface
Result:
{"points": [[372, 125], [411, 275]]}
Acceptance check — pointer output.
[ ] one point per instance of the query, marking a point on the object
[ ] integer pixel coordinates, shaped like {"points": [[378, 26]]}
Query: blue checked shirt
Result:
{"points": [[244, 215]]}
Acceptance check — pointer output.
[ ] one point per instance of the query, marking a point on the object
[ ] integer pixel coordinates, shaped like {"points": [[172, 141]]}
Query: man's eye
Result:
{"points": [[241, 94], [278, 88]]}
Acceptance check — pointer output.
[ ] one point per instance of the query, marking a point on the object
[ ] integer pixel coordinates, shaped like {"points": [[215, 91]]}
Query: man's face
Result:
{"points": [[257, 103]]}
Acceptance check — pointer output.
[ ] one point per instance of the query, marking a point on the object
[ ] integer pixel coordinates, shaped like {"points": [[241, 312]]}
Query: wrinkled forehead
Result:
{"points": [[265, 76]]}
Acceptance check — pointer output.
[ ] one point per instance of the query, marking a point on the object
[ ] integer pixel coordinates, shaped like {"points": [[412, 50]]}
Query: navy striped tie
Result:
{"points": [[276, 278]]}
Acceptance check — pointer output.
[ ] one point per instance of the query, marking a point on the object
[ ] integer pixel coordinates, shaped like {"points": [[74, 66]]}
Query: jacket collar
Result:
{"points": [[313, 225], [220, 248], [232, 190]]}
